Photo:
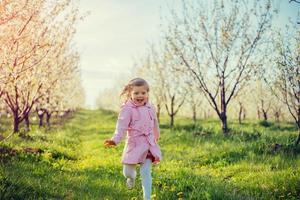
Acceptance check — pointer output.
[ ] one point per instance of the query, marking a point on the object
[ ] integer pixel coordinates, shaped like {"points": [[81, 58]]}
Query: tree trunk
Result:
{"points": [[265, 115], [27, 123], [172, 121], [223, 114], [224, 123], [172, 113], [158, 113], [244, 113], [16, 122], [40, 113], [258, 113], [41, 118], [298, 139], [240, 113], [48, 116], [277, 116], [194, 114], [298, 124]]}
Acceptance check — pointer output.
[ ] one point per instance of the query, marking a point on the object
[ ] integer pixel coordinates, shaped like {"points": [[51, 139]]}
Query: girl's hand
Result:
{"points": [[109, 143], [156, 160]]}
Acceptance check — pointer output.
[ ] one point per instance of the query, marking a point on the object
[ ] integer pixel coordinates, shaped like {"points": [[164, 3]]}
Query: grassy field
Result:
{"points": [[198, 163]]}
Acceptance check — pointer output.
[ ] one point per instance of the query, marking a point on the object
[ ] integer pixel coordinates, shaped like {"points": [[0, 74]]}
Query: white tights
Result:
{"points": [[129, 171]]}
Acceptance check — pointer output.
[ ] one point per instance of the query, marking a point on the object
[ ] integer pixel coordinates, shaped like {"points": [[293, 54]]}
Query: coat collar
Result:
{"points": [[133, 105]]}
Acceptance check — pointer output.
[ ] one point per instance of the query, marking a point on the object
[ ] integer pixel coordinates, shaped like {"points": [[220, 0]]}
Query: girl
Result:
{"points": [[138, 118]]}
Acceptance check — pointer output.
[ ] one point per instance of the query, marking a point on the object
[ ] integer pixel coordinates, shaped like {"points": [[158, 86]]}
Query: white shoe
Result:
{"points": [[130, 183]]}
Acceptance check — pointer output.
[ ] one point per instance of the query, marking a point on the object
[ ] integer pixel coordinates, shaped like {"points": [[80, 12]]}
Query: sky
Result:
{"points": [[115, 32]]}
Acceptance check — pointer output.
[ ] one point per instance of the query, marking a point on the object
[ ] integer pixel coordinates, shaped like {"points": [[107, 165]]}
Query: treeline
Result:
{"points": [[225, 56], [39, 66]]}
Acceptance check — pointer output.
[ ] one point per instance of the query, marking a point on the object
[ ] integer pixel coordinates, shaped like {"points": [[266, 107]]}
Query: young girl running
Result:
{"points": [[138, 118]]}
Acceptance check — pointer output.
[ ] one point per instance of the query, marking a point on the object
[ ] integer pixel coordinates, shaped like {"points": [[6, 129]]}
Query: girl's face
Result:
{"points": [[139, 95]]}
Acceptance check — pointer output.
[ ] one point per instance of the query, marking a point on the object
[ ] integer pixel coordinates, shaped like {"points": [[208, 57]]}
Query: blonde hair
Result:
{"points": [[134, 82]]}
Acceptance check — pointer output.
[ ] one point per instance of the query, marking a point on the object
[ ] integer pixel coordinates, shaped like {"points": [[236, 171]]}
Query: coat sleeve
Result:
{"points": [[122, 124], [156, 130]]}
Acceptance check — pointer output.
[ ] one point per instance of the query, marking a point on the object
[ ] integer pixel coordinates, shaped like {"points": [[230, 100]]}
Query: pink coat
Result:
{"points": [[142, 129]]}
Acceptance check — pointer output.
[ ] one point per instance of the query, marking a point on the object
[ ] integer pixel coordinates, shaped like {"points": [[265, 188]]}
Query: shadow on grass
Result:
{"points": [[30, 178], [273, 126], [13, 190], [282, 128]]}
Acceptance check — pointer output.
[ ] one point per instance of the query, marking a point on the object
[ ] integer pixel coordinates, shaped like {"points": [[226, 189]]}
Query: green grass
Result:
{"points": [[198, 162]]}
